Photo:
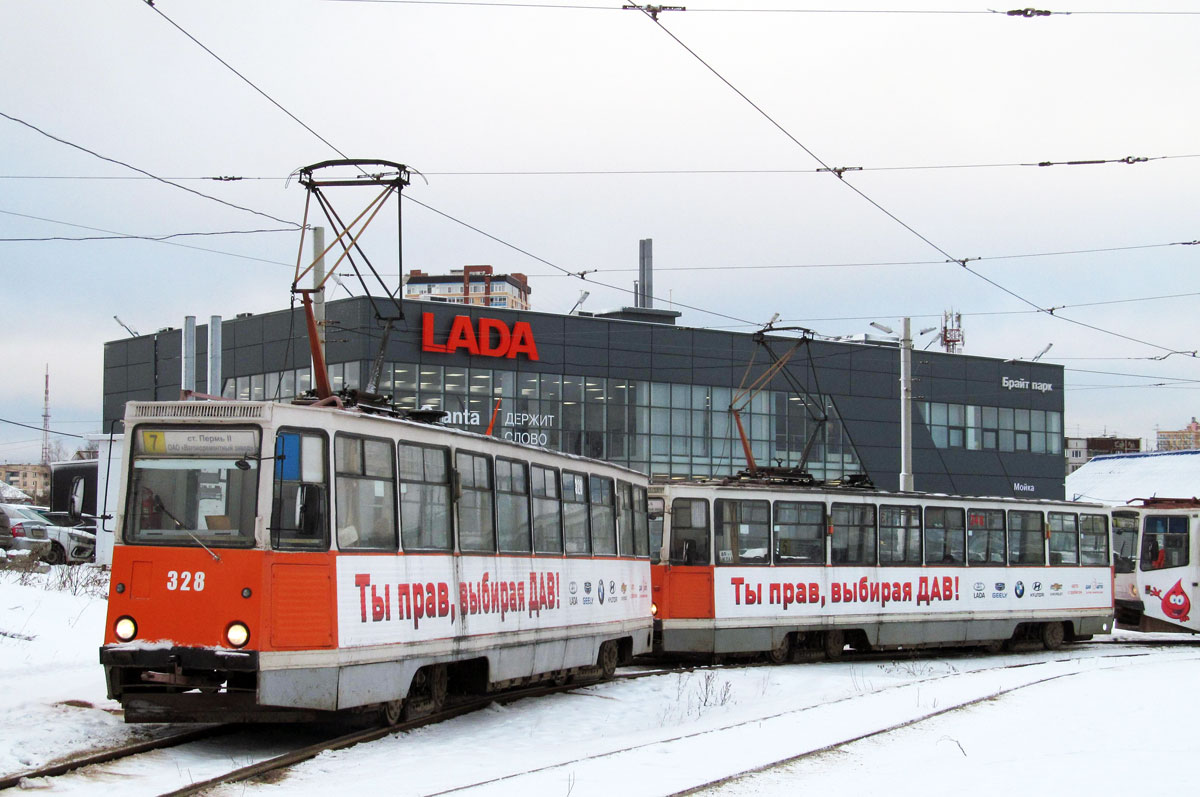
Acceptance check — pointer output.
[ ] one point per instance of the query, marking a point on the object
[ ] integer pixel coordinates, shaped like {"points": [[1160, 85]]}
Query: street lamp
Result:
{"points": [[906, 347]]}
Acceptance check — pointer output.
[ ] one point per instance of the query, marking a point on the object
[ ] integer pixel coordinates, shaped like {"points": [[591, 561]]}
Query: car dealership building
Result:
{"points": [[634, 388]]}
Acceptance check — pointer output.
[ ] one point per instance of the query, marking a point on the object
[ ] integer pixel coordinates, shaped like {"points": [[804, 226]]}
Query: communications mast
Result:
{"points": [[951, 336], [46, 421]]}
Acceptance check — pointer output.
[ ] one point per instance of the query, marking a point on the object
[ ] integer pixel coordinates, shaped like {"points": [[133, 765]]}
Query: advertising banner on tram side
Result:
{"points": [[742, 592], [389, 599]]}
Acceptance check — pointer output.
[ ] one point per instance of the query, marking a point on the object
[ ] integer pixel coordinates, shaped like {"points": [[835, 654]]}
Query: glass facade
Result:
{"points": [[978, 428], [659, 428]]}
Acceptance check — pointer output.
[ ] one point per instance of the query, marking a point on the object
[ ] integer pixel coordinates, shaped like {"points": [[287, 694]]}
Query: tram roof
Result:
{"points": [[843, 491]]}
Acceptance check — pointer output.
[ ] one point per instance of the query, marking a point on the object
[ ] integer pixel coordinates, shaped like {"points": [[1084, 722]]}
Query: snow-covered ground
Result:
{"points": [[1095, 719]]}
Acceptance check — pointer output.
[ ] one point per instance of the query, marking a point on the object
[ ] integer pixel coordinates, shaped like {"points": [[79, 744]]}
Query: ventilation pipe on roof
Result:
{"points": [[189, 353], [645, 293], [214, 355]]}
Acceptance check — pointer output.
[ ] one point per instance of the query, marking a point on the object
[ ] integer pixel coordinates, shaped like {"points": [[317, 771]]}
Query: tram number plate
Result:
{"points": [[185, 581]]}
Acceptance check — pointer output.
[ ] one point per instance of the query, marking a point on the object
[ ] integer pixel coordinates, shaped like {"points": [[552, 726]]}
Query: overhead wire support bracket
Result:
{"points": [[840, 170], [1030, 13], [652, 11], [1129, 159]]}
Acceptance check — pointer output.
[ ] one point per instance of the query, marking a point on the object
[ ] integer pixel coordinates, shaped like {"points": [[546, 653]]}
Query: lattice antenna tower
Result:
{"points": [[46, 421], [951, 336]]}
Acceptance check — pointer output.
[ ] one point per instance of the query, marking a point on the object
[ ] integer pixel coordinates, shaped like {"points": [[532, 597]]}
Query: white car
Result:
{"points": [[67, 545]]}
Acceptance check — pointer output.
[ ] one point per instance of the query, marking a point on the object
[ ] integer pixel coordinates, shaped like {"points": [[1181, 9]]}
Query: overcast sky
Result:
{"points": [[568, 134]]}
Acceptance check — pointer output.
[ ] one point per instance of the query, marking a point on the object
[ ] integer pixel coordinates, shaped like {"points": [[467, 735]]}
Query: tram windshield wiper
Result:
{"points": [[159, 506]]}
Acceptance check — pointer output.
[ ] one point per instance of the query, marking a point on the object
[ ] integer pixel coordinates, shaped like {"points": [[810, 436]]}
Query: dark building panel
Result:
{"points": [[692, 374]]}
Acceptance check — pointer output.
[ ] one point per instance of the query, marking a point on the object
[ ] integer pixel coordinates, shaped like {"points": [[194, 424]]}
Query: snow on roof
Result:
{"points": [[1119, 478], [10, 493]]}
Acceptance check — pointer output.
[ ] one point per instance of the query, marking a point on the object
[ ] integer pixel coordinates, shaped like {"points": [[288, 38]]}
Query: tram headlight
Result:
{"points": [[125, 628], [237, 634], [654, 609]]}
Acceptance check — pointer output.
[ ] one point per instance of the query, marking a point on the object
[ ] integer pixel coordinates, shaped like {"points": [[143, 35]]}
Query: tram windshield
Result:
{"points": [[192, 487]]}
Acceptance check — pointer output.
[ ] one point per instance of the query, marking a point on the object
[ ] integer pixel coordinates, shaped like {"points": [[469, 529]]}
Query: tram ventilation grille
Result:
{"points": [[197, 409]]}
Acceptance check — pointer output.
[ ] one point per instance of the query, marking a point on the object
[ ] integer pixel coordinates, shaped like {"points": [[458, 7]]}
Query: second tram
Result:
{"points": [[750, 567]]}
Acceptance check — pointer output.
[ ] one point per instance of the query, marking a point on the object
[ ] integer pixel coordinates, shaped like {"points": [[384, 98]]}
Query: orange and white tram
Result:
{"points": [[280, 561], [790, 571], [1156, 547]]}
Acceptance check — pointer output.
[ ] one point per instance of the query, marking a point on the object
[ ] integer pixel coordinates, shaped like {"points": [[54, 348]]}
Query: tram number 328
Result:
{"points": [[185, 581]]}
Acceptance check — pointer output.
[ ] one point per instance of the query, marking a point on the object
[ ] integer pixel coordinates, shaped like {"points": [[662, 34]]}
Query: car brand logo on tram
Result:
{"points": [[1019, 589], [574, 587], [600, 591]]}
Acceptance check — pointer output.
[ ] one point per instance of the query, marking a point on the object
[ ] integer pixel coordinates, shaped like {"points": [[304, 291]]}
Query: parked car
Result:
{"points": [[67, 545], [85, 523], [18, 532]]}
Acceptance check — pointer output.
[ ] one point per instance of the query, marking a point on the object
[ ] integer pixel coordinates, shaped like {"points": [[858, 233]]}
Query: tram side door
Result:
{"points": [[689, 562]]}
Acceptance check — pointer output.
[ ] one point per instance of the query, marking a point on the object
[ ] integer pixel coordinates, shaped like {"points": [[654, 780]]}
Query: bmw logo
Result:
{"points": [[600, 591], [1019, 589]]}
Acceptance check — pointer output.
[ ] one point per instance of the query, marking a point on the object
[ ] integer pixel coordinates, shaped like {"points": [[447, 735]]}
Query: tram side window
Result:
{"points": [[853, 539], [900, 535], [945, 536], [1093, 540], [1125, 541], [547, 513], [1164, 542], [799, 533], [300, 512], [575, 513], [625, 518], [1026, 538], [512, 505], [365, 485], [743, 532], [1064, 538], [604, 518], [641, 524], [985, 537], [689, 532], [425, 498], [476, 530]]}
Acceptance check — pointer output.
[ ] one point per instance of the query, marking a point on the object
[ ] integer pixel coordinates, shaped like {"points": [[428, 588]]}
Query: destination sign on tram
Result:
{"points": [[198, 442]]}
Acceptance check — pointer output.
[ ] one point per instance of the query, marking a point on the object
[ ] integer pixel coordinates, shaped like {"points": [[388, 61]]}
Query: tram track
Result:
{"points": [[529, 780], [63, 767], [272, 764], [337, 740]]}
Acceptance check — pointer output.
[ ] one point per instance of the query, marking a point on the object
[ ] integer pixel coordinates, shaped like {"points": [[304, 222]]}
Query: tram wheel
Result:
{"points": [[1052, 636], [835, 643], [439, 686], [393, 712], [781, 652], [608, 659]]}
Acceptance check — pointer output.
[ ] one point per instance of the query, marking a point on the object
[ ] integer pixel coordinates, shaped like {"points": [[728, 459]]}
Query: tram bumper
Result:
{"points": [[179, 684]]}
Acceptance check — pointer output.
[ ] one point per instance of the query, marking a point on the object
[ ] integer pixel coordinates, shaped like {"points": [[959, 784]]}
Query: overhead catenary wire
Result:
{"points": [[1023, 12], [640, 172], [841, 178], [143, 171], [580, 274], [39, 429]]}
